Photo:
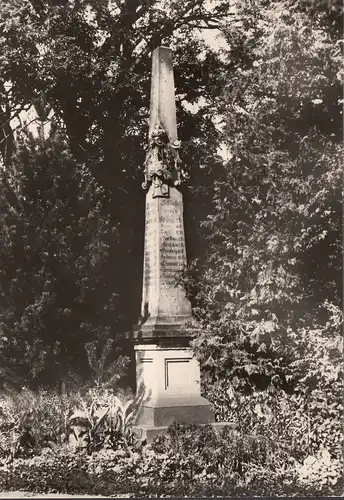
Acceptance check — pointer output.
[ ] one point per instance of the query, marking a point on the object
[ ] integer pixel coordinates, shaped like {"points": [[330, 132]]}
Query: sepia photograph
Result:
{"points": [[171, 304]]}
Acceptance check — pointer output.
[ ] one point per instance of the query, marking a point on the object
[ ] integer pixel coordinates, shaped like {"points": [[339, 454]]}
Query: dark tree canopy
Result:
{"points": [[56, 261], [271, 282]]}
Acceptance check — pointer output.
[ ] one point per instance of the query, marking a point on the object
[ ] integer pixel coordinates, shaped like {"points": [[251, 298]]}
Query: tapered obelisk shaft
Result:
{"points": [[162, 103], [165, 307]]}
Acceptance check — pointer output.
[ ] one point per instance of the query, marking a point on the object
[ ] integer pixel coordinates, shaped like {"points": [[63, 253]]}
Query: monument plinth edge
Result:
{"points": [[163, 329]]}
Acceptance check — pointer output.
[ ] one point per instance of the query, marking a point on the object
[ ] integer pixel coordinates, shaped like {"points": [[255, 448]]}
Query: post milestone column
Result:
{"points": [[165, 364]]}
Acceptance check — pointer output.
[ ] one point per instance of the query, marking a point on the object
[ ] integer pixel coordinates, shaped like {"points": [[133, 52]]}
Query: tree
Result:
{"points": [[272, 275], [92, 61], [57, 261]]}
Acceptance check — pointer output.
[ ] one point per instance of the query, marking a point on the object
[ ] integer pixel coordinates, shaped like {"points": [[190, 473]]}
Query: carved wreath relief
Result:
{"points": [[161, 165]]}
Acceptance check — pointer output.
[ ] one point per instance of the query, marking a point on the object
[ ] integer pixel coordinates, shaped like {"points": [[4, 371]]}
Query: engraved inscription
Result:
{"points": [[164, 243], [150, 255], [164, 257], [173, 255]]}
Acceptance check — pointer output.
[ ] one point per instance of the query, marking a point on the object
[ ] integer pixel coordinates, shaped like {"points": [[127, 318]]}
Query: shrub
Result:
{"points": [[321, 469], [282, 444], [107, 419], [52, 471], [308, 426], [32, 420], [304, 421], [64, 471], [186, 461], [40, 415]]}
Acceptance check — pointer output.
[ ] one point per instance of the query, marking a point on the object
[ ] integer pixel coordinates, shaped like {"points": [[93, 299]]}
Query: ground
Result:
{"points": [[26, 494]]}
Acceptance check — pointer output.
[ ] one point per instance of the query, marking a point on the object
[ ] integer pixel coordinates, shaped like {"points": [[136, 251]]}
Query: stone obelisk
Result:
{"points": [[164, 362]]}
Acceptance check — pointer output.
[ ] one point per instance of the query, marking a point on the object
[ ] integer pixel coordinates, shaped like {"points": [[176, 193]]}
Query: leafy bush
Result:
{"points": [[302, 409], [205, 462], [41, 415], [282, 444], [32, 420], [59, 470], [308, 427], [64, 471], [186, 460], [321, 469], [293, 419], [108, 419]]}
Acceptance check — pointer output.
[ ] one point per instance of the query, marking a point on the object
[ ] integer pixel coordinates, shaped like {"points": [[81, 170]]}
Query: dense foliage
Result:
{"points": [[89, 63], [56, 262], [186, 461], [268, 293], [84, 442]]}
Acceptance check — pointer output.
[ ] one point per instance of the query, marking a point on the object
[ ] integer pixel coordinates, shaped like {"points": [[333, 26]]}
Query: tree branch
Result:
{"points": [[182, 19]]}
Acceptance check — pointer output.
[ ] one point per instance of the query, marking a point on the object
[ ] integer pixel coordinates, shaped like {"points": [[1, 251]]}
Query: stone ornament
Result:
{"points": [[161, 165]]}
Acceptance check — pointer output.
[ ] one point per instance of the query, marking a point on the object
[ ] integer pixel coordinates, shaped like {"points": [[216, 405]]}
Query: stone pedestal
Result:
{"points": [[171, 381]]}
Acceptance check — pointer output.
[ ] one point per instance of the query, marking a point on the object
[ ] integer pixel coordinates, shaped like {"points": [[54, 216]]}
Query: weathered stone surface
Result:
{"points": [[162, 159], [162, 103], [171, 380], [165, 308], [196, 410], [164, 304]]}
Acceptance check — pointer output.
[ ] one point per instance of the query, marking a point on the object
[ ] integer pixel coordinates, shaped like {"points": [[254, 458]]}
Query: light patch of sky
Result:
{"points": [[215, 40], [28, 120]]}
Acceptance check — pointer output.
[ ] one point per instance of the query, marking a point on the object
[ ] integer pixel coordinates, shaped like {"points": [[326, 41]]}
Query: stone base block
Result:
{"points": [[170, 380], [148, 432], [168, 409]]}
